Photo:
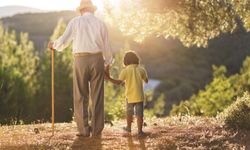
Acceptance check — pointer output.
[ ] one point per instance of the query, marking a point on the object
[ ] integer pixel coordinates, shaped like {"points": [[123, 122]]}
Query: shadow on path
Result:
{"points": [[81, 143]]}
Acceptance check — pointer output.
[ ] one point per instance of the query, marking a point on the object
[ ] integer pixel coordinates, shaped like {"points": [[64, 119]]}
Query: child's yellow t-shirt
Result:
{"points": [[134, 75]]}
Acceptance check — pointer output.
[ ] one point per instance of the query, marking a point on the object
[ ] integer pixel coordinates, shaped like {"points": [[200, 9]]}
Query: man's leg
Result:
{"points": [[81, 95], [97, 94]]}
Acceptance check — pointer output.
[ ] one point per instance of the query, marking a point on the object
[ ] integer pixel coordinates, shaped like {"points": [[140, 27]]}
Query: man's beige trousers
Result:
{"points": [[89, 84]]}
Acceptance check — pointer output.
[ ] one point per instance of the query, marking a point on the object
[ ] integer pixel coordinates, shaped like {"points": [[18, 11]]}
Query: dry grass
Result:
{"points": [[169, 133]]}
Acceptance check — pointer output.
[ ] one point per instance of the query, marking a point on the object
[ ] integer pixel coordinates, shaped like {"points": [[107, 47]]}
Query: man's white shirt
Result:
{"points": [[89, 35]]}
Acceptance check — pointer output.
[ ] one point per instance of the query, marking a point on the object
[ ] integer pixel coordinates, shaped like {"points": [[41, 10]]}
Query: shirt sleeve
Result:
{"points": [[107, 51], [144, 74], [62, 42], [122, 75]]}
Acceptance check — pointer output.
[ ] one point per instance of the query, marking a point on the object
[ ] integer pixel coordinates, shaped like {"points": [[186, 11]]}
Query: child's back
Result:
{"points": [[134, 75]]}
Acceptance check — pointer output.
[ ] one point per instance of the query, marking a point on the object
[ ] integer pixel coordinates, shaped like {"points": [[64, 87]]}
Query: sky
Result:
{"points": [[49, 4]]}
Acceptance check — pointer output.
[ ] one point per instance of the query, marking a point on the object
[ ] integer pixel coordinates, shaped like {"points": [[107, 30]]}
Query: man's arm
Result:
{"points": [[62, 42], [108, 56], [114, 81]]}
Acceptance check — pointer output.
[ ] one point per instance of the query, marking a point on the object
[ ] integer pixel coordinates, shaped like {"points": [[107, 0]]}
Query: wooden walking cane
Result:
{"points": [[52, 89]]}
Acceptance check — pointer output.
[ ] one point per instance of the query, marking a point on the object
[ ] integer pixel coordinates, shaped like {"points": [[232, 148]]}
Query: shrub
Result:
{"points": [[237, 115], [217, 95]]}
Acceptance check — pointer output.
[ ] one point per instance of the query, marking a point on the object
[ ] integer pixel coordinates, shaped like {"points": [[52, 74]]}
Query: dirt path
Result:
{"points": [[170, 133]]}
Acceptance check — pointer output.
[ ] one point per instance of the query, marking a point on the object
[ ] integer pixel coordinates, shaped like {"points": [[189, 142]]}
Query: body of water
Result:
{"points": [[151, 85]]}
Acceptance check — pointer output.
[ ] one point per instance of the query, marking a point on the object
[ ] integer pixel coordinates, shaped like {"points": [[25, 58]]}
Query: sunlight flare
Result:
{"points": [[115, 3]]}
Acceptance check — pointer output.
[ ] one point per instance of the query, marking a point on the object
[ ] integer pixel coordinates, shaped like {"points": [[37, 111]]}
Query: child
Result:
{"points": [[133, 76]]}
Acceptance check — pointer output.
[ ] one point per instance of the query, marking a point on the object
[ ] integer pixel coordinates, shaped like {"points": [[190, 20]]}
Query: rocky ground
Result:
{"points": [[164, 134]]}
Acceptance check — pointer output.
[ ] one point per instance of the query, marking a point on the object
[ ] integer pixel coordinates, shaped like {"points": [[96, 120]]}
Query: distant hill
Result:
{"points": [[182, 71], [6, 11], [40, 26]]}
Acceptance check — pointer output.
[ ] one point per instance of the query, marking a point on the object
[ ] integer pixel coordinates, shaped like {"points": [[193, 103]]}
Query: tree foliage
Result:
{"points": [[18, 66], [217, 95], [63, 82], [193, 22], [237, 115]]}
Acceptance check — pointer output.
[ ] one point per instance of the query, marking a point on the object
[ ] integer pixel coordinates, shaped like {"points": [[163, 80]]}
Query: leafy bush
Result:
{"points": [[217, 95], [237, 115], [18, 66], [63, 81], [13, 97], [158, 106]]}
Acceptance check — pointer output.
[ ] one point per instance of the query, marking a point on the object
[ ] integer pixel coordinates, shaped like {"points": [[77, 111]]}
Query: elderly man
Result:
{"points": [[92, 52]]}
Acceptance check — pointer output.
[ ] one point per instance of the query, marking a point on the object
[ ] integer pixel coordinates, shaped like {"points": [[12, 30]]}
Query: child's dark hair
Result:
{"points": [[131, 58]]}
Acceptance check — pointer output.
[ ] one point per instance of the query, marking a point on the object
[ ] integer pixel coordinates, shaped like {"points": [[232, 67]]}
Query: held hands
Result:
{"points": [[107, 77], [107, 74]]}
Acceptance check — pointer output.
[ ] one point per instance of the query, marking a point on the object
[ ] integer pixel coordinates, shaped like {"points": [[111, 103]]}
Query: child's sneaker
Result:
{"points": [[126, 129], [141, 134]]}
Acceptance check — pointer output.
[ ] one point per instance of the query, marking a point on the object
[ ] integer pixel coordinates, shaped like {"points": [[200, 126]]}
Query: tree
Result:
{"points": [[63, 82], [217, 95], [194, 22], [18, 65]]}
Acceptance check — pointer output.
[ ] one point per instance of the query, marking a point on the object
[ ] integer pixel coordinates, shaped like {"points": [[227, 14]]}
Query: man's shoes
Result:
{"points": [[82, 135], [87, 132], [127, 129], [98, 135]]}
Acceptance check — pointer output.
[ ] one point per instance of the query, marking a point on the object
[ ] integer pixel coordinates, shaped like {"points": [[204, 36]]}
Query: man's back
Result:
{"points": [[89, 34]]}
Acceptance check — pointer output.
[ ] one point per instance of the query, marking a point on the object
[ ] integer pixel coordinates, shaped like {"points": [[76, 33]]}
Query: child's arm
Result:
{"points": [[144, 75], [114, 81]]}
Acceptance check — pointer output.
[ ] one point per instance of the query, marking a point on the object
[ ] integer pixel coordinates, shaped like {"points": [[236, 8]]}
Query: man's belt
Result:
{"points": [[86, 54]]}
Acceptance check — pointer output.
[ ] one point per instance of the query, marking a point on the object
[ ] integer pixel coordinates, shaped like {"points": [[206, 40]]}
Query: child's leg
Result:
{"points": [[139, 123], [129, 121], [139, 116], [130, 112]]}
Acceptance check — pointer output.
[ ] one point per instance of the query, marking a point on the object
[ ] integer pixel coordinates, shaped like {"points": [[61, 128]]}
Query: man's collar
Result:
{"points": [[87, 14]]}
